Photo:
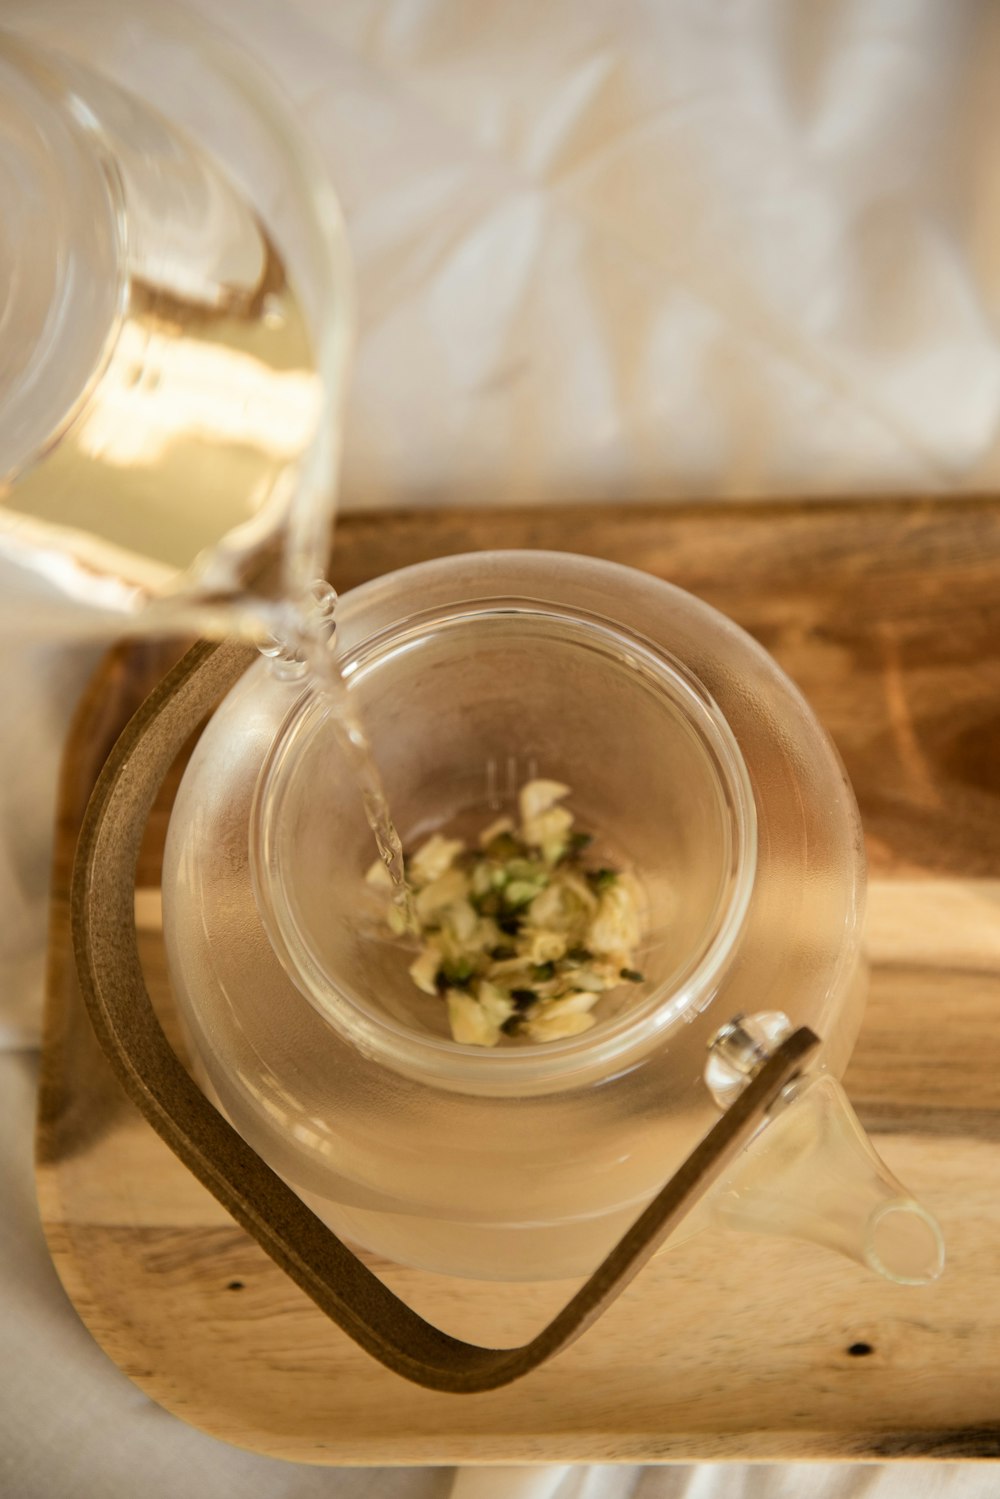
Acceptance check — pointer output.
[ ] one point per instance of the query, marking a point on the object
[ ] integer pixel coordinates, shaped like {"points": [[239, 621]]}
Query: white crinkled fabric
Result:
{"points": [[605, 250], [658, 249]]}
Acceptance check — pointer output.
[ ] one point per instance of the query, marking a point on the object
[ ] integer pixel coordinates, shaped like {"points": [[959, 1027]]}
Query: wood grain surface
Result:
{"points": [[887, 614]]}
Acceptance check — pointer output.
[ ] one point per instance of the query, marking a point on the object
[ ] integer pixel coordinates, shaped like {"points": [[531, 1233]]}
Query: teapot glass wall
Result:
{"points": [[696, 763]]}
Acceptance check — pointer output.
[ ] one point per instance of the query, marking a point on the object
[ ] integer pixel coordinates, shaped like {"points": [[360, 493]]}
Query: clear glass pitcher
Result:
{"points": [[700, 769], [175, 301]]}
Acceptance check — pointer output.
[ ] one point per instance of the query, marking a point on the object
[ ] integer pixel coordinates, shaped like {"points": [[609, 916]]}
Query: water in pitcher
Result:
{"points": [[190, 432], [161, 396]]}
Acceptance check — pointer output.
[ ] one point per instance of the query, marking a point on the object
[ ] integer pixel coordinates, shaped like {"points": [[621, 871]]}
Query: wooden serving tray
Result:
{"points": [[887, 614]]}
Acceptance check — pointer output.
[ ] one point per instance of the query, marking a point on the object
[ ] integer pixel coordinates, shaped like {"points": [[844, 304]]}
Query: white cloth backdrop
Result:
{"points": [[604, 249], [686, 247]]}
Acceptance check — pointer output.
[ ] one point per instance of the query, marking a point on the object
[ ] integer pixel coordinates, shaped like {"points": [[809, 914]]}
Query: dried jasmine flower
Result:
{"points": [[517, 936]]}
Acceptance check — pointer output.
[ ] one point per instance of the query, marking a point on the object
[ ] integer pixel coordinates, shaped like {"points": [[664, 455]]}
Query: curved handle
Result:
{"points": [[112, 984]]}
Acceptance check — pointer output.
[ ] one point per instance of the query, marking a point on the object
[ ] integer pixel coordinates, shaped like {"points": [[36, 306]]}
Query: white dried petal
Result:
{"points": [[398, 920], [469, 1022], [577, 886], [561, 908], [462, 921], [378, 876], [497, 1005], [440, 894], [579, 1002], [495, 829], [548, 828], [545, 947], [487, 934], [554, 1027], [549, 911], [445, 939], [503, 967], [537, 796], [616, 926], [433, 858], [423, 970], [592, 980], [506, 968]]}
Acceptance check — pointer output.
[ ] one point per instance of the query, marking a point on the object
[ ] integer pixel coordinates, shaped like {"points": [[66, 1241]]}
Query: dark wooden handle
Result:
{"points": [[112, 984]]}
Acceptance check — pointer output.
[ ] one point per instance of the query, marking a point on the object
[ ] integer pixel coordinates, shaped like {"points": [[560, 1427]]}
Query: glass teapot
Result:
{"points": [[699, 767]]}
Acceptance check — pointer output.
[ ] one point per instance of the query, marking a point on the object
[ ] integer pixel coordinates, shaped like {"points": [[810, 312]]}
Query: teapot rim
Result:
{"points": [[613, 1045]]}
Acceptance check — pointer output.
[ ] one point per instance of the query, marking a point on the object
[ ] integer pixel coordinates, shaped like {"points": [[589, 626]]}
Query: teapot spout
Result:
{"points": [[812, 1173]]}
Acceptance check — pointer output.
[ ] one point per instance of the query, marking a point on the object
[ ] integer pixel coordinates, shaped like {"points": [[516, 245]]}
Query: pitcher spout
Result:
{"points": [[812, 1173]]}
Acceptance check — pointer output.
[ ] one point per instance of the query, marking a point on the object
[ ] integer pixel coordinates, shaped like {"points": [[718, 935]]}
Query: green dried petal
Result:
{"points": [[457, 972], [521, 893]]}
